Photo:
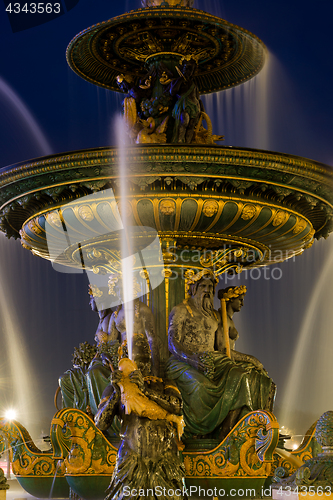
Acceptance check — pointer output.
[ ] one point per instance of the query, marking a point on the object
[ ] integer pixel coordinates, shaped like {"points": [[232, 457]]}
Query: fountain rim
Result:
{"points": [[183, 148]]}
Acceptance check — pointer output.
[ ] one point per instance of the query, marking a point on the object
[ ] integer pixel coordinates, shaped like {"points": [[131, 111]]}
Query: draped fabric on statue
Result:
{"points": [[207, 402], [74, 390], [98, 378]]}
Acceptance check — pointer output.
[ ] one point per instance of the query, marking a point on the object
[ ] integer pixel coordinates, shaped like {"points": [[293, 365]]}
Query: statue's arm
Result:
{"points": [[176, 335], [107, 407], [219, 338], [239, 356], [170, 400]]}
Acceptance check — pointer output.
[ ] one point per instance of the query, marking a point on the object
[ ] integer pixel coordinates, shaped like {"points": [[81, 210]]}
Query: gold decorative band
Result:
{"points": [[272, 425], [58, 421], [164, 54]]}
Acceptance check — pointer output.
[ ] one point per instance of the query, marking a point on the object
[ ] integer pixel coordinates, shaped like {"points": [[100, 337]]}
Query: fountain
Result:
{"points": [[190, 206]]}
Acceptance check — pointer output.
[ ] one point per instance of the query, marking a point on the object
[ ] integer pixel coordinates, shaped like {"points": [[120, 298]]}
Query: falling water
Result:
{"points": [[23, 389], [8, 97], [311, 372], [241, 113], [54, 478], [126, 243]]}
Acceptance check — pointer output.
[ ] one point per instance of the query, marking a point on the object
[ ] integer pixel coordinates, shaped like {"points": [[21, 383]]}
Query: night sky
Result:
{"points": [[285, 322]]}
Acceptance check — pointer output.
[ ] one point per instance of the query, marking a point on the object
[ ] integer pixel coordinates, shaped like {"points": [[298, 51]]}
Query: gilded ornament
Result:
{"points": [[171, 3], [86, 213], [113, 280], [167, 207], [210, 208], [144, 274], [95, 291], [25, 246], [166, 273], [234, 292], [280, 218], [149, 133], [242, 459], [300, 226], [125, 209], [54, 219], [192, 277], [248, 212], [35, 227]]}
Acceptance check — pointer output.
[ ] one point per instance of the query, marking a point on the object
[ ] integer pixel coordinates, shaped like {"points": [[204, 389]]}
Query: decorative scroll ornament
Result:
{"points": [[89, 452], [26, 458], [317, 472], [246, 452]]}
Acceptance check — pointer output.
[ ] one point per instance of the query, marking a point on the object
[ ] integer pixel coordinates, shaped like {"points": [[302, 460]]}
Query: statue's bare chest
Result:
{"points": [[199, 332]]}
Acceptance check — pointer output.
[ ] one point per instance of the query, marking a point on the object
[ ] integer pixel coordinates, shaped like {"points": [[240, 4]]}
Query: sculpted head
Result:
{"points": [[234, 296], [98, 298], [201, 290]]}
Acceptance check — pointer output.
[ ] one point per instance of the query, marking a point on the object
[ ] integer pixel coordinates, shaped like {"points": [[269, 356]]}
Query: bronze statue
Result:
{"points": [[78, 388], [83, 386], [98, 374], [147, 464], [188, 107], [217, 390]]}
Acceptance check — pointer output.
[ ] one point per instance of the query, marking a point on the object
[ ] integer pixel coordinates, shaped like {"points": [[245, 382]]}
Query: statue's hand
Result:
{"points": [[206, 364], [137, 378], [116, 377]]}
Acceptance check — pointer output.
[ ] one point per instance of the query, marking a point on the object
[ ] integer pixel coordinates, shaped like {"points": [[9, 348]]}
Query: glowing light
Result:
{"points": [[295, 446], [10, 414]]}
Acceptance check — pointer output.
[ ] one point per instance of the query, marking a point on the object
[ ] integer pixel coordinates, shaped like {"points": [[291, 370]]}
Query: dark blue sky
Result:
{"points": [[52, 309]]}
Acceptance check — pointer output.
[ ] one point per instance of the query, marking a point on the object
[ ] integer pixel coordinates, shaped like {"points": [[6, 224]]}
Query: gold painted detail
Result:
{"points": [[203, 135], [34, 226], [86, 213], [224, 260], [280, 218], [232, 293], [210, 208], [90, 452], [166, 273], [248, 212], [26, 458], [192, 277], [247, 451], [172, 3], [300, 226], [167, 207], [53, 218]]}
